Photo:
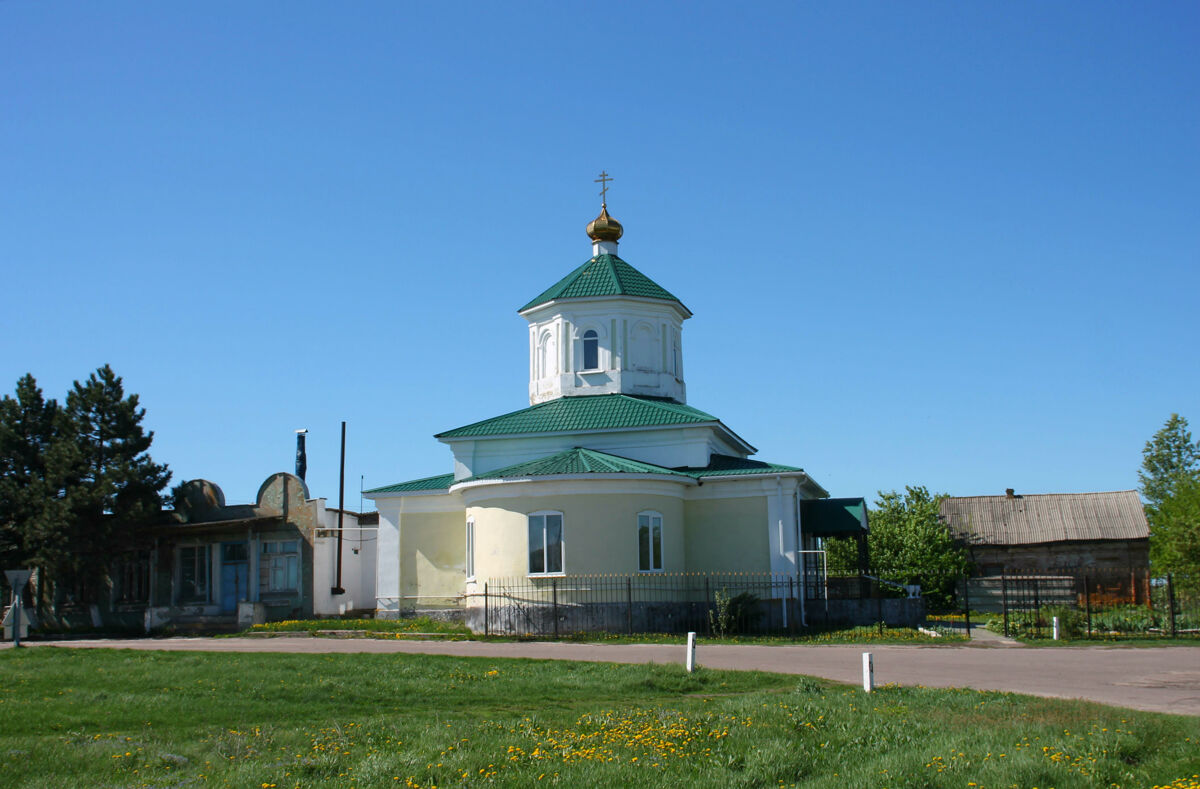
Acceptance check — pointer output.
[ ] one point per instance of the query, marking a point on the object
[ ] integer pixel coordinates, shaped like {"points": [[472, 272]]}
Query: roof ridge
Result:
{"points": [[1030, 495], [614, 273]]}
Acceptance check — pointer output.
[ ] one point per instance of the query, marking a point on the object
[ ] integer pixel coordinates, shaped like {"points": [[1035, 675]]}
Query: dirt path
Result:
{"points": [[1157, 679]]}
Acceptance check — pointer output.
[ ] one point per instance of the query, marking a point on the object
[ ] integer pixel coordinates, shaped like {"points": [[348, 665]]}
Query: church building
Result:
{"points": [[608, 471]]}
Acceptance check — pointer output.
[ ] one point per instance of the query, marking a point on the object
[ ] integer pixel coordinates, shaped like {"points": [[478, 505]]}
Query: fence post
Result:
{"points": [[629, 601], [1171, 602], [967, 603], [1037, 606], [1004, 601], [554, 599], [707, 606], [792, 604], [1087, 602], [486, 631]]}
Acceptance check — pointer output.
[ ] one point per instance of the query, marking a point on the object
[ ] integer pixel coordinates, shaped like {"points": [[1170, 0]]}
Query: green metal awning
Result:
{"points": [[834, 517]]}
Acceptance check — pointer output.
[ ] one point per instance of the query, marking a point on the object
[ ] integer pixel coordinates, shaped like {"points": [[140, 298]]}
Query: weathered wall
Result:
{"points": [[727, 535], [599, 532], [432, 558], [1115, 554]]}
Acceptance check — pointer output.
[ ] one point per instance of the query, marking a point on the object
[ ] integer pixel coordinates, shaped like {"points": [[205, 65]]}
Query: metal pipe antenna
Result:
{"points": [[337, 588]]}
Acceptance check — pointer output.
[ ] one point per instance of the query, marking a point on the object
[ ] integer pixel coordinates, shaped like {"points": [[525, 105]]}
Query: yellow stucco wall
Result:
{"points": [[727, 535], [432, 557], [599, 532]]}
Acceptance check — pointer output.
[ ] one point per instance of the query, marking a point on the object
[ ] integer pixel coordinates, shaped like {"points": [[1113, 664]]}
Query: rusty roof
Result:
{"points": [[1046, 517]]}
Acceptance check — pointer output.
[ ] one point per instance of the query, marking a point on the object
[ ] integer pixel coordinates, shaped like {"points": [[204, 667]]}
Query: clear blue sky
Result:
{"points": [[950, 244]]}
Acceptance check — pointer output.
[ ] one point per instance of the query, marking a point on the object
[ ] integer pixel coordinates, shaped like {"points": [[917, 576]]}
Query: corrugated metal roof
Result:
{"points": [[1047, 517], [603, 275]]}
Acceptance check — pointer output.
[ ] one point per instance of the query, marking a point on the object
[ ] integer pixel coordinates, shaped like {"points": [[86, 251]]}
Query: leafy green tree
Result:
{"points": [[1175, 535], [908, 543], [114, 487], [1170, 478]]}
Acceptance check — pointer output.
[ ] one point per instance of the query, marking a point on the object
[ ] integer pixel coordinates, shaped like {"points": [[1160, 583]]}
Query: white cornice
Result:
{"points": [[676, 306], [409, 504], [597, 477], [578, 485]]}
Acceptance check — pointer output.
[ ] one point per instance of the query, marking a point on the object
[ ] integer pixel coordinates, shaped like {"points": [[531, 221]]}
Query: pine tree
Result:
{"points": [[26, 432], [115, 488], [34, 465], [1169, 457]]}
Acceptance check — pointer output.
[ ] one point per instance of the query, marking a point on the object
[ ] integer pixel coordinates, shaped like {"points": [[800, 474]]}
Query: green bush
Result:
{"points": [[1128, 619], [731, 615]]}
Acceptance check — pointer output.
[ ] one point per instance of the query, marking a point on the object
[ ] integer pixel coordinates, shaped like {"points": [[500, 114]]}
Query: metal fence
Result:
{"points": [[709, 603], [642, 603], [1088, 603]]}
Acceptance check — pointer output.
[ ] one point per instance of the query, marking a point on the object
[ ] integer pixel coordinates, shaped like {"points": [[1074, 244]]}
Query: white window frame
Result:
{"points": [[270, 559], [470, 539], [584, 340], [650, 515], [546, 355], [562, 542]]}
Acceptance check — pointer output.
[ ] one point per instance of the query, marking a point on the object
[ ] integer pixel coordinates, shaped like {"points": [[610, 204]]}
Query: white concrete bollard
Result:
{"points": [[1055, 622], [691, 652], [868, 672]]}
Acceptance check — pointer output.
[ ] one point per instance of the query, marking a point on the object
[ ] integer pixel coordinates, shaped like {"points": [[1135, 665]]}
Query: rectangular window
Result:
{"points": [[591, 350], [131, 578], [470, 549], [281, 562], [545, 543], [194, 571], [650, 542]]}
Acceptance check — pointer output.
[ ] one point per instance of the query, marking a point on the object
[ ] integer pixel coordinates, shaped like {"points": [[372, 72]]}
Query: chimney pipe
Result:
{"points": [[301, 455], [1010, 493]]}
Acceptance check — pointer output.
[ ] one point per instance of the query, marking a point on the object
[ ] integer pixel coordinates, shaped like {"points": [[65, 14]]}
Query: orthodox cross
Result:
{"points": [[603, 181]]}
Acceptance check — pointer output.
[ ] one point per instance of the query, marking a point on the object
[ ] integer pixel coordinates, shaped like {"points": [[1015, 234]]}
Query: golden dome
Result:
{"points": [[604, 227]]}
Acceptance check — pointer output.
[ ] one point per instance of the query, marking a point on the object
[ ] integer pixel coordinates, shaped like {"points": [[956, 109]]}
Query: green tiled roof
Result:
{"points": [[590, 461], [440, 482], [583, 413], [724, 465], [576, 461], [603, 275]]}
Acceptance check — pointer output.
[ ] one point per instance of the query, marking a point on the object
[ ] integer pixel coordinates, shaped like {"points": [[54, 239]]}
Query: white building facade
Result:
{"points": [[608, 471]]}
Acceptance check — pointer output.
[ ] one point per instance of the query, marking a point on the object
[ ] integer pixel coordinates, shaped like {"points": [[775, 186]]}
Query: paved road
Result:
{"points": [[1158, 679]]}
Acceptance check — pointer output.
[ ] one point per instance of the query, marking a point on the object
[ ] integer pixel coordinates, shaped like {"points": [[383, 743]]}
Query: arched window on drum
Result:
{"points": [[591, 350]]}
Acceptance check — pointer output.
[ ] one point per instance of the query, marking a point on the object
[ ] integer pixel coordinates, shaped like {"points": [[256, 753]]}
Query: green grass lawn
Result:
{"points": [[100, 718], [423, 627]]}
